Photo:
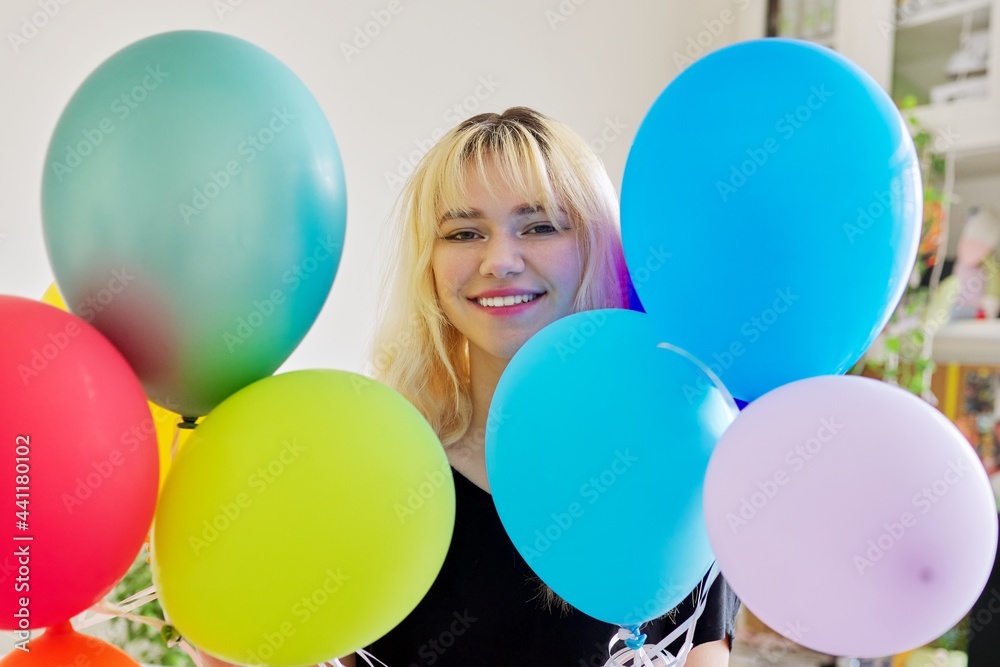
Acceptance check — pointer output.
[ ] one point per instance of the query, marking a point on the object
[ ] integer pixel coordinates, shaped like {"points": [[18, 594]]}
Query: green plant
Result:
{"points": [[902, 355], [143, 642]]}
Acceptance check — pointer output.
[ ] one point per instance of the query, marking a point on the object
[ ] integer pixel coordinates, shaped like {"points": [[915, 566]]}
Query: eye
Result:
{"points": [[542, 228], [462, 235]]}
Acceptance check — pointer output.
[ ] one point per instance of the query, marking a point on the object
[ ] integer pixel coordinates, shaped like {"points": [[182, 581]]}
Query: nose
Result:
{"points": [[502, 257]]}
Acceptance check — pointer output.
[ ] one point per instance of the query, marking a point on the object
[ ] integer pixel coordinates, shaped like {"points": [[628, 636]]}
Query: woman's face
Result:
{"points": [[502, 268]]}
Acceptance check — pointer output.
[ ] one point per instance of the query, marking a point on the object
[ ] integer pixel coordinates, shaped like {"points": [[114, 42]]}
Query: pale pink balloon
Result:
{"points": [[850, 516]]}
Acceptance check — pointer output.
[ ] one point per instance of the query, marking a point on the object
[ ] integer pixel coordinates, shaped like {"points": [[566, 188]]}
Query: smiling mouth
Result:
{"points": [[507, 301]]}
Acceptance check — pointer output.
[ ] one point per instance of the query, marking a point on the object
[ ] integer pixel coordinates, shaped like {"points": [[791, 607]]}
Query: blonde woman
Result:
{"points": [[509, 223]]}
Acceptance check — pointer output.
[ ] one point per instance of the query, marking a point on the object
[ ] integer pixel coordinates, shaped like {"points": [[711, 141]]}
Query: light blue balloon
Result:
{"points": [[596, 450], [194, 210], [771, 212]]}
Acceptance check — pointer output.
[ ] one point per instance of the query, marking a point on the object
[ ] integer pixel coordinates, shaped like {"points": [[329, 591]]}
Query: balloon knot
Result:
{"points": [[630, 634], [170, 635]]}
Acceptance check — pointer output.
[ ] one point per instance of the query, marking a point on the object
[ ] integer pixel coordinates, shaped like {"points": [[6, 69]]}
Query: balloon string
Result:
{"points": [[105, 610], [628, 657], [365, 655], [175, 441]]}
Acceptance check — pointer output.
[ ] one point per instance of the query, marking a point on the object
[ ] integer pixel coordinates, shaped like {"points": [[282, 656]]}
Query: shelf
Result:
{"points": [[978, 164], [940, 13], [968, 125], [968, 342], [925, 42]]}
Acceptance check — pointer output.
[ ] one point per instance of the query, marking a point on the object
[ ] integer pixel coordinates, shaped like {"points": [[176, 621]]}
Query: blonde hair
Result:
{"points": [[416, 350]]}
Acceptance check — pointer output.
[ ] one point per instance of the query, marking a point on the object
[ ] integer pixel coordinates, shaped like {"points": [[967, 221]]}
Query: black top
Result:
{"points": [[485, 607]]}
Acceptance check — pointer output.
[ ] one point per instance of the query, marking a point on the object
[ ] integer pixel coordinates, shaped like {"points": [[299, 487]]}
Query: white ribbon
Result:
{"points": [[104, 610], [658, 656], [365, 655]]}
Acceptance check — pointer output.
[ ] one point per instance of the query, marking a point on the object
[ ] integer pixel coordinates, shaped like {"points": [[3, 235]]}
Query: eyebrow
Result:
{"points": [[475, 214]]}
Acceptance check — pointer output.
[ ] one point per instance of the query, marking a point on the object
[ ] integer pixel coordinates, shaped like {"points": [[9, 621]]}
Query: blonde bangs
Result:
{"points": [[511, 153]]}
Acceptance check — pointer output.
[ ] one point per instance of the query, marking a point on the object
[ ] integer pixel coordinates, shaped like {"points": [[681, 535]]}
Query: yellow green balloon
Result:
{"points": [[308, 515]]}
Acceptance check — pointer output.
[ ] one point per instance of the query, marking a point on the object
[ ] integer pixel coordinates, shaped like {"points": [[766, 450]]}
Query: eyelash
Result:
{"points": [[454, 235]]}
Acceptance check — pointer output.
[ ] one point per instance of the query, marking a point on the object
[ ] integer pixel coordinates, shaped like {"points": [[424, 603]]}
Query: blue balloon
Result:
{"points": [[779, 167], [596, 458]]}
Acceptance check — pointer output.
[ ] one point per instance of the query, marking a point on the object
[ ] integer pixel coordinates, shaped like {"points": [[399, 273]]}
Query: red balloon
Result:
{"points": [[62, 645], [78, 465]]}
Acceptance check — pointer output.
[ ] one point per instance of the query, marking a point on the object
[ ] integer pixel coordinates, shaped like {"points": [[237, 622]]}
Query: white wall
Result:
{"points": [[599, 66]]}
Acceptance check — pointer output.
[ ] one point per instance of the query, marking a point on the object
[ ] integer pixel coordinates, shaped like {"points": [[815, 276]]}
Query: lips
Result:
{"points": [[507, 291], [506, 301], [507, 305]]}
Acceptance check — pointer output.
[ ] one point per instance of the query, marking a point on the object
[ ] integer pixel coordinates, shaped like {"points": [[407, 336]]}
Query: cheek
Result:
{"points": [[445, 269], [569, 267]]}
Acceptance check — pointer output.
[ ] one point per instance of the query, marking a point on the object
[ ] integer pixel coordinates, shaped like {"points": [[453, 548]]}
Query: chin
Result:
{"points": [[503, 350]]}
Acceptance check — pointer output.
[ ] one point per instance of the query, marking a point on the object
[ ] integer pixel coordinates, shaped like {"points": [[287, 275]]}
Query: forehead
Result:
{"points": [[476, 184]]}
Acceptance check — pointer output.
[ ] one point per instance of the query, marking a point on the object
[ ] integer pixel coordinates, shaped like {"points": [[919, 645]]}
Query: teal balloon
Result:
{"points": [[771, 212], [194, 208], [597, 445]]}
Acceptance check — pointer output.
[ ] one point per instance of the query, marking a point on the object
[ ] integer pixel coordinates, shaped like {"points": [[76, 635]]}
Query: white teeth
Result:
{"points": [[497, 301]]}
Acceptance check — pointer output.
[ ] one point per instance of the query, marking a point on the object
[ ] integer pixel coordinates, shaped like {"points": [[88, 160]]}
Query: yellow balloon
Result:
{"points": [[169, 437], [308, 515], [54, 298], [164, 420]]}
